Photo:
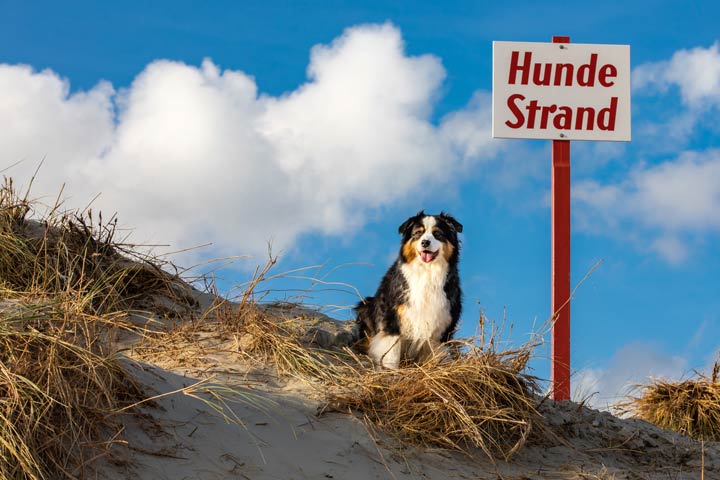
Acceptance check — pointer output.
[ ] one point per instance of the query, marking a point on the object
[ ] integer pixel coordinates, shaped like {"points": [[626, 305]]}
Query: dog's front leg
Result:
{"points": [[385, 350]]}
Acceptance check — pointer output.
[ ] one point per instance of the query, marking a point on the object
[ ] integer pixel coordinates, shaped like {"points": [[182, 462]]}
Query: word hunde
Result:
{"points": [[530, 114]]}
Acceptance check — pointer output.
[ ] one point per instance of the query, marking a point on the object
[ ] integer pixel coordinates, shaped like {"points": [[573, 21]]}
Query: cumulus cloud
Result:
{"points": [[696, 72], [40, 119], [689, 85], [667, 201], [469, 131], [629, 367], [193, 154]]}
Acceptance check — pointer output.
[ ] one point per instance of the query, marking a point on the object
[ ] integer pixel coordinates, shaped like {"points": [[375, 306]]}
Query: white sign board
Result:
{"points": [[561, 91]]}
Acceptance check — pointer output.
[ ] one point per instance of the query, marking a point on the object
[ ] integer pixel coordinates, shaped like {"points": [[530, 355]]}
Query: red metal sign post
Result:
{"points": [[560, 281], [561, 92]]}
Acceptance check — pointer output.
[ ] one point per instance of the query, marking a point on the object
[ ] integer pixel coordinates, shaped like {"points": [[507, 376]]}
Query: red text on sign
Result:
{"points": [[533, 115], [560, 74]]}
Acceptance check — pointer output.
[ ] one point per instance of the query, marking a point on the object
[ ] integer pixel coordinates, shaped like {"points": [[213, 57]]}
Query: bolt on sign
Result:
{"points": [[561, 91]]}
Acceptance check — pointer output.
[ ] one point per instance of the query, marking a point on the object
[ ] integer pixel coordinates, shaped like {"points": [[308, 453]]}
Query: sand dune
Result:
{"points": [[283, 437]]}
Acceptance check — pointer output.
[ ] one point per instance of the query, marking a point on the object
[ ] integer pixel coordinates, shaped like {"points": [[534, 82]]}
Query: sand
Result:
{"points": [[283, 436]]}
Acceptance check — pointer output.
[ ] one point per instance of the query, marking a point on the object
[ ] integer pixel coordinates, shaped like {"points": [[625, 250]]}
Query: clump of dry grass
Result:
{"points": [[477, 399], [60, 393], [691, 407], [272, 341], [263, 338], [245, 328], [180, 345], [73, 253], [269, 340], [64, 287]]}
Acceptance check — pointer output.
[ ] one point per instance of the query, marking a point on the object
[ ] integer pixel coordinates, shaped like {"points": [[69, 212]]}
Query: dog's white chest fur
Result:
{"points": [[427, 310]]}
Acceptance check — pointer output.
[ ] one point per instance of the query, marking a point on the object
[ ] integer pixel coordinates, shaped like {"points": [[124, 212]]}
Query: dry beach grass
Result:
{"points": [[68, 289], [477, 399], [62, 290], [690, 407]]}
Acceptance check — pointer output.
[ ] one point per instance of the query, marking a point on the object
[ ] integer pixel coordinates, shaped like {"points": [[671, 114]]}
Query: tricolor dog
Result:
{"points": [[417, 305]]}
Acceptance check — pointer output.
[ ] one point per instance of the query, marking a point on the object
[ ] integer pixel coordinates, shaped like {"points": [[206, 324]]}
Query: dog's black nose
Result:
{"points": [[425, 243]]}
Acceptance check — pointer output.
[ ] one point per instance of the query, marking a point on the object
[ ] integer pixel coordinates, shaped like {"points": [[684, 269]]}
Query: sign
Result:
{"points": [[561, 91]]}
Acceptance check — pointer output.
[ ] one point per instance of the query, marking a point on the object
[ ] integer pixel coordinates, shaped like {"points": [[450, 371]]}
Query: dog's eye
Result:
{"points": [[417, 233], [438, 234]]}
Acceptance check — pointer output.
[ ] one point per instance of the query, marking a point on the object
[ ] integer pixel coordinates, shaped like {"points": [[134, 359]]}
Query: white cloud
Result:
{"points": [[695, 75], [667, 201], [39, 118], [629, 367], [194, 154], [670, 247], [696, 72], [469, 131]]}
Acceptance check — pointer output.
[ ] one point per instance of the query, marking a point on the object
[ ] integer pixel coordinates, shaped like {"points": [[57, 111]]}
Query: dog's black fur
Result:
{"points": [[379, 313]]}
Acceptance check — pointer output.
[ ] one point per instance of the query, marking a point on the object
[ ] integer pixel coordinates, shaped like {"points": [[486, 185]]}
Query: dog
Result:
{"points": [[418, 303]]}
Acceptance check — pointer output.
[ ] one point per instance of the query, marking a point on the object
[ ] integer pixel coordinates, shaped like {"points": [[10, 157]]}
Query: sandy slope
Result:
{"points": [[181, 437]]}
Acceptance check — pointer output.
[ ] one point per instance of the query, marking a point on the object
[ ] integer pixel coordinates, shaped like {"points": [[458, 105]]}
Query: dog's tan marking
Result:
{"points": [[447, 250], [410, 250], [402, 315]]}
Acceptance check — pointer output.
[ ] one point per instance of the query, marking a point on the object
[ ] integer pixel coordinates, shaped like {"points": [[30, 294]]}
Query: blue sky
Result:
{"points": [[323, 125]]}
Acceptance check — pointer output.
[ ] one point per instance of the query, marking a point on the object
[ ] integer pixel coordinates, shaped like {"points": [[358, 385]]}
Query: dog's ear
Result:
{"points": [[410, 221], [453, 223]]}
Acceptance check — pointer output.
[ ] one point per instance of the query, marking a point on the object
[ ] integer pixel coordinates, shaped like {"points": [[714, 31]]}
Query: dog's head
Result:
{"points": [[427, 238]]}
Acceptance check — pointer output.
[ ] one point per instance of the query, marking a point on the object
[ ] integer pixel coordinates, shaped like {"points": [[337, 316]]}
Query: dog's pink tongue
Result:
{"points": [[426, 256]]}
